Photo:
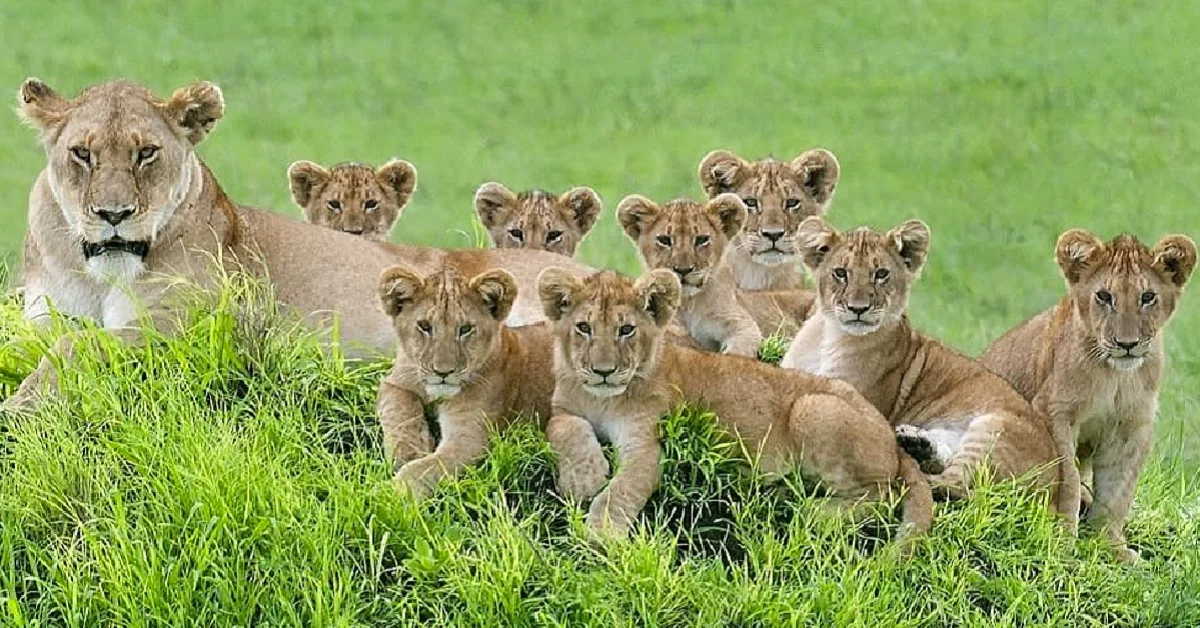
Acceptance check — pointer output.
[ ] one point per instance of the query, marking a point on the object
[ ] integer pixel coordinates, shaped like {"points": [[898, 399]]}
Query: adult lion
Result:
{"points": [[124, 202]]}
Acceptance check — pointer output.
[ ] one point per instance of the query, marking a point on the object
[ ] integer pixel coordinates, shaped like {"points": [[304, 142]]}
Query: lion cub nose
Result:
{"points": [[605, 372], [858, 310], [772, 235], [1128, 346], [684, 271], [443, 374], [114, 216]]}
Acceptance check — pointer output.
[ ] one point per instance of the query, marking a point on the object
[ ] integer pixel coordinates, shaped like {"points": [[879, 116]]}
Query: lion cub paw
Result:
{"points": [[418, 478], [584, 478], [913, 440], [605, 521]]}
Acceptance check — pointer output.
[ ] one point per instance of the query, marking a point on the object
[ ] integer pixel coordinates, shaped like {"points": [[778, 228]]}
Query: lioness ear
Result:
{"points": [[658, 293], [498, 289], [819, 170], [636, 213], [1074, 251], [304, 177], [815, 238], [911, 241], [721, 171], [195, 109], [41, 107], [1175, 257], [398, 288], [490, 201], [558, 289], [729, 211], [585, 207], [400, 177]]}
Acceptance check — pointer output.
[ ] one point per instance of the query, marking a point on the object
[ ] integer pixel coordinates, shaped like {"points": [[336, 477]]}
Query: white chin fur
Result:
{"points": [[117, 266], [689, 289], [772, 258], [858, 329], [604, 391], [1125, 363], [442, 391]]}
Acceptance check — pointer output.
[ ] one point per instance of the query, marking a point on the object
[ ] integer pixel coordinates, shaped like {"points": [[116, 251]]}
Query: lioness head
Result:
{"points": [[351, 197], [778, 196], [121, 162], [537, 219], [1124, 291], [683, 236], [447, 326], [863, 276], [607, 328]]}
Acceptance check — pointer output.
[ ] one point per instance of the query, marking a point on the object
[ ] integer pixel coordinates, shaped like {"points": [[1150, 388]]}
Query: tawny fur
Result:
{"points": [[779, 195], [351, 197], [1100, 396], [615, 376], [536, 219], [950, 411]]}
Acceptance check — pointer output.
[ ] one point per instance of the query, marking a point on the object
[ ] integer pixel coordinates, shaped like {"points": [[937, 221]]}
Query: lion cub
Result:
{"points": [[689, 240], [1093, 363], [616, 376], [949, 411], [778, 196], [537, 219], [353, 198], [455, 352]]}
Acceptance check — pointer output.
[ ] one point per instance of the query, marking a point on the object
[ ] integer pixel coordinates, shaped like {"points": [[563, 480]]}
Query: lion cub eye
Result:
{"points": [[840, 274], [751, 204], [425, 327], [583, 328], [82, 154], [553, 236], [334, 205], [702, 241], [517, 235], [370, 204], [663, 240], [791, 203], [626, 330], [147, 154], [882, 274], [1104, 297], [1148, 298], [465, 330]]}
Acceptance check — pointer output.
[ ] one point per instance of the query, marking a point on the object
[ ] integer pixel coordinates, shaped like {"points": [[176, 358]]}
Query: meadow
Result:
{"points": [[233, 475]]}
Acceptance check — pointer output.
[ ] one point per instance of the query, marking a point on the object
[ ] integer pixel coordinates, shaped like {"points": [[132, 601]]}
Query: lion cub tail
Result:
{"points": [[917, 505]]}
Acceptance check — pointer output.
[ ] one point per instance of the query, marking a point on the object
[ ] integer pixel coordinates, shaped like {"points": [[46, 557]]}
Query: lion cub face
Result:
{"points": [[354, 198], [1124, 292], [863, 277], [608, 329], [537, 219], [447, 326], [683, 236], [778, 197]]}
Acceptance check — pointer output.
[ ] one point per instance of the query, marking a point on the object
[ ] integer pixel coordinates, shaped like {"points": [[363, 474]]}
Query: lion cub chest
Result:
{"points": [[1114, 404], [821, 349]]}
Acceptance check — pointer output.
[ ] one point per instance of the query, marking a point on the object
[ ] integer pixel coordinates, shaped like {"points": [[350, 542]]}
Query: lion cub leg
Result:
{"points": [[613, 511], [1117, 464], [1069, 487], [582, 467], [464, 441], [402, 417]]}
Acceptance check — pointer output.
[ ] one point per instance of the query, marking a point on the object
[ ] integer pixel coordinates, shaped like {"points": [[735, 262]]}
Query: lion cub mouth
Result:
{"points": [[133, 247]]}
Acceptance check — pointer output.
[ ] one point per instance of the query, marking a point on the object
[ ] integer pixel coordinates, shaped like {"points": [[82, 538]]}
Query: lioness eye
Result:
{"points": [[839, 274], [553, 236], [626, 330], [425, 327], [146, 154], [583, 328], [82, 154], [1149, 298], [663, 240], [334, 205], [370, 204], [517, 234], [751, 204], [702, 241], [1104, 297], [881, 274], [465, 330], [791, 203]]}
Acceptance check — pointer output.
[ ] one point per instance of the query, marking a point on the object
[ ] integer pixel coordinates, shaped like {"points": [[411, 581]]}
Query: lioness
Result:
{"points": [[125, 212], [537, 219], [455, 352], [351, 197], [689, 240], [1093, 363], [616, 376], [949, 411], [778, 196]]}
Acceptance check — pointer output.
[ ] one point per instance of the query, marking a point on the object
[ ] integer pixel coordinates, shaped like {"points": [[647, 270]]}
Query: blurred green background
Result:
{"points": [[1000, 124]]}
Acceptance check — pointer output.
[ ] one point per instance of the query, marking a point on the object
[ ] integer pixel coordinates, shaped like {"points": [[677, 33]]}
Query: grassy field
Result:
{"points": [[231, 481]]}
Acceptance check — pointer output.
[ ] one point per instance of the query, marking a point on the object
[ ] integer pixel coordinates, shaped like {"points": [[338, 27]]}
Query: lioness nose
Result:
{"points": [[684, 271], [1128, 346], [605, 372], [443, 374], [858, 310], [114, 216], [772, 234]]}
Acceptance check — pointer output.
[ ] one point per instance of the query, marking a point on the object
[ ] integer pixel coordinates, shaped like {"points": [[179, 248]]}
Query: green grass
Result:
{"points": [[243, 484]]}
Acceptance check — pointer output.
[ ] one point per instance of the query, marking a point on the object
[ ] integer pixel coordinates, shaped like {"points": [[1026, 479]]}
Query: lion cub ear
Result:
{"points": [[304, 177], [658, 294], [195, 109], [398, 288], [400, 177], [1175, 257], [498, 289], [816, 238], [559, 291], [1075, 251], [911, 242], [636, 213], [729, 211], [40, 106], [491, 202], [819, 170], [585, 207], [722, 171]]}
